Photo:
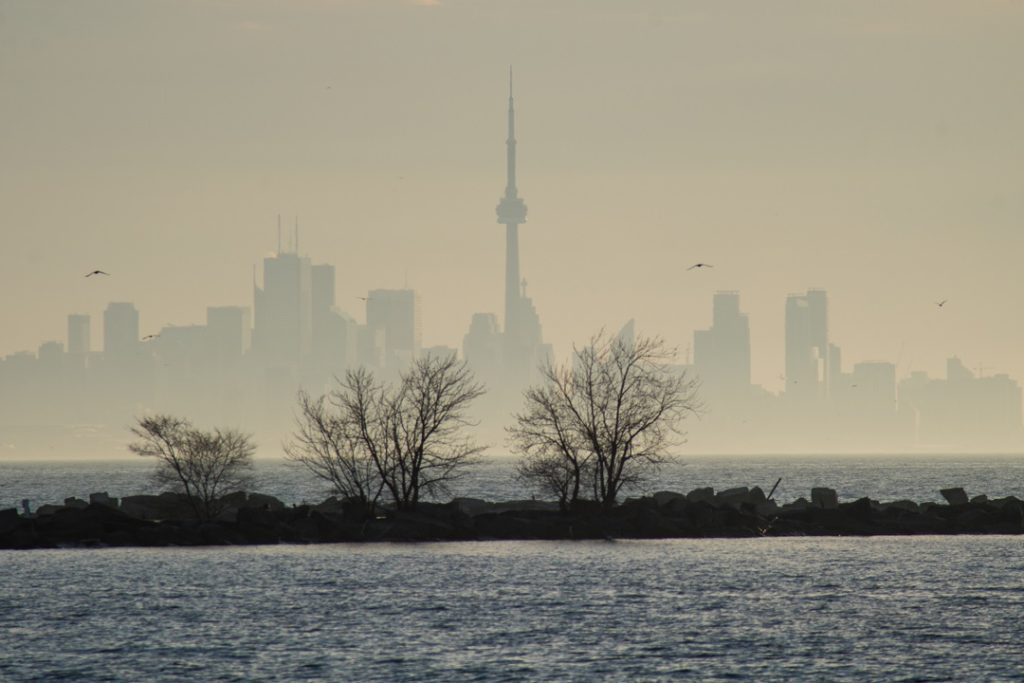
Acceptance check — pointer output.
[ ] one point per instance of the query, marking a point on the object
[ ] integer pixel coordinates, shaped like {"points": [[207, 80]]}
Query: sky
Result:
{"points": [[871, 149]]}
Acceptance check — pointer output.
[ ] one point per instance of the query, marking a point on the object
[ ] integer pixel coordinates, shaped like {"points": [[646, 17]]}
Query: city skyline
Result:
{"points": [[895, 190]]}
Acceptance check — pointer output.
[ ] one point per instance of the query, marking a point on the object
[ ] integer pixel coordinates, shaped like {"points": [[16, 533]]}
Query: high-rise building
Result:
{"points": [[807, 348], [481, 347], [120, 330], [228, 332], [283, 329], [523, 345], [722, 353], [79, 342], [396, 313]]}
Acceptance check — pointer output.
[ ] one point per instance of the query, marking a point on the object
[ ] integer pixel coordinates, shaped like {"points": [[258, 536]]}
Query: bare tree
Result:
{"points": [[204, 465], [611, 416], [331, 448], [412, 432], [555, 457]]}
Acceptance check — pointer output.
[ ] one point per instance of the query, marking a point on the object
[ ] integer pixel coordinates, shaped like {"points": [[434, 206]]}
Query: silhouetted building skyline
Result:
{"points": [[721, 354], [79, 334], [807, 345], [120, 330]]}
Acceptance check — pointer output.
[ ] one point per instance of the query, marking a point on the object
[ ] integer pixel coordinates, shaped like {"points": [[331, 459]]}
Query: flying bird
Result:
{"points": [[942, 303], [96, 272], [150, 336], [700, 265]]}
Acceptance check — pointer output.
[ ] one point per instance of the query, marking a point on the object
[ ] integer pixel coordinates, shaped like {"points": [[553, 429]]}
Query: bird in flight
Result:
{"points": [[700, 265], [365, 298], [942, 303], [96, 272], [150, 336]]}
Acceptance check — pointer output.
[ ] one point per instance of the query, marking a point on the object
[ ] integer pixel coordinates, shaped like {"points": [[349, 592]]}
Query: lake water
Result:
{"points": [[770, 609], [917, 477]]}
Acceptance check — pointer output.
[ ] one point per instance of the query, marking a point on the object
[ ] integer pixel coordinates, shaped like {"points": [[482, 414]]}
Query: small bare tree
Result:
{"points": [[204, 465], [610, 416], [331, 448], [555, 457], [412, 432]]}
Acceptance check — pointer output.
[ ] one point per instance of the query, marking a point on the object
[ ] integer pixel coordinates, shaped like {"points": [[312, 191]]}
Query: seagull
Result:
{"points": [[700, 265], [942, 303], [150, 336], [365, 298], [96, 272]]}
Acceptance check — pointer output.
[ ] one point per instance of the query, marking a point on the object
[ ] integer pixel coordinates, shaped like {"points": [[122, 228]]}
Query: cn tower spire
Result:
{"points": [[511, 213]]}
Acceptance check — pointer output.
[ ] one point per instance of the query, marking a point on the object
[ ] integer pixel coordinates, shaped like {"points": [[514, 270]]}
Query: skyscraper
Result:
{"points": [[79, 342], [396, 312], [722, 353], [523, 342], [229, 332], [120, 330], [807, 348], [283, 328]]}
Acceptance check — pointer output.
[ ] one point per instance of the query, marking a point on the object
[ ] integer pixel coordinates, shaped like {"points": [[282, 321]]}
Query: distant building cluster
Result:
{"points": [[244, 366], [825, 407]]}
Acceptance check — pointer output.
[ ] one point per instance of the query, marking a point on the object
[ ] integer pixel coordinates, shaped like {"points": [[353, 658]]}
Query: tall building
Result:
{"points": [[396, 313], [79, 342], [481, 347], [523, 345], [120, 330], [722, 353], [283, 328], [229, 332], [807, 347]]}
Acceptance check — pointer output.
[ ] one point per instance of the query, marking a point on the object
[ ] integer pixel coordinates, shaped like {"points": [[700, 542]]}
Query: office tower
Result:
{"points": [[120, 330], [228, 332], [396, 313], [79, 342], [523, 340], [722, 353], [481, 346], [807, 363], [283, 330]]}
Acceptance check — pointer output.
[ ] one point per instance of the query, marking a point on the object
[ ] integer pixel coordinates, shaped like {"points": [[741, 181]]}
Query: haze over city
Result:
{"points": [[873, 154]]}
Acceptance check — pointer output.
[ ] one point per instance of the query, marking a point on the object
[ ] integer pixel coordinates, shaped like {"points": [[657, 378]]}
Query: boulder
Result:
{"points": [[702, 495], [9, 519], [76, 503], [48, 509], [472, 506], [102, 499], [798, 504], [663, 498], [525, 506], [824, 498], [165, 506], [955, 496], [907, 505], [264, 501], [735, 496], [756, 496], [979, 500]]}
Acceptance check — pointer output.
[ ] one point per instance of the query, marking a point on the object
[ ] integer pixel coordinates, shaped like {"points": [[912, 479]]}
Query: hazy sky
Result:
{"points": [[874, 149]]}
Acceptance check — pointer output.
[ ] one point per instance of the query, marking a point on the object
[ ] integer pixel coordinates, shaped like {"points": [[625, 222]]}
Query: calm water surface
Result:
{"points": [[876, 609]]}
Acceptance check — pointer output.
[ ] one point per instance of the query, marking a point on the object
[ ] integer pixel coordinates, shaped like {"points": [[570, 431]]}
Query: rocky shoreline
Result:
{"points": [[251, 519]]}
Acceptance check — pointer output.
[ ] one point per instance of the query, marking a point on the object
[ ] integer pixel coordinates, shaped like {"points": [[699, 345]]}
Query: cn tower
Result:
{"points": [[511, 213]]}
